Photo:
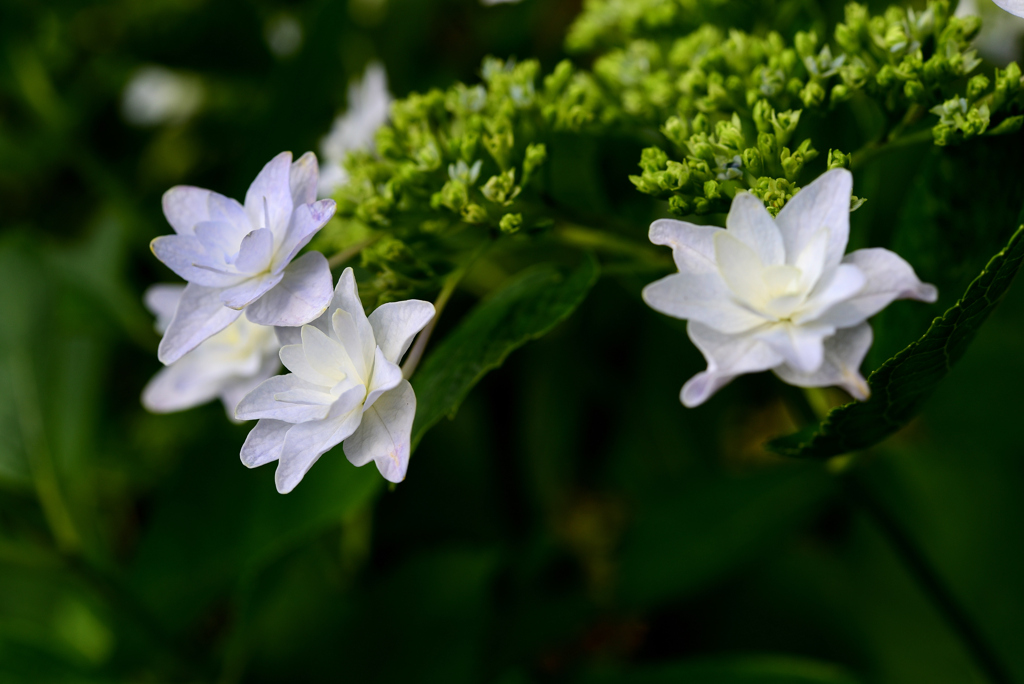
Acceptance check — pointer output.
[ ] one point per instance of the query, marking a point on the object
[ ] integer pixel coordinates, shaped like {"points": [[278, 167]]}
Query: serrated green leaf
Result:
{"points": [[901, 385], [527, 308]]}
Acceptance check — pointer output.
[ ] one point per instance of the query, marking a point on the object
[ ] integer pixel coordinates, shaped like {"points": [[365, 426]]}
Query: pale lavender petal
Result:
{"points": [[301, 295], [180, 386], [728, 356], [306, 221], [288, 334], [385, 433], [220, 240], [162, 301], [255, 252], [229, 211], [187, 257], [264, 443], [844, 353], [692, 246], [199, 316], [825, 203], [269, 198], [234, 391], [185, 206], [303, 179], [750, 222], [248, 291], [703, 298], [395, 324]]}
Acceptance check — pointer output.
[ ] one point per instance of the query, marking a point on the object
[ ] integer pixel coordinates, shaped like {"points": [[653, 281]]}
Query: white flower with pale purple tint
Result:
{"points": [[369, 104], [229, 365], [778, 294], [237, 257], [999, 39], [345, 386]]}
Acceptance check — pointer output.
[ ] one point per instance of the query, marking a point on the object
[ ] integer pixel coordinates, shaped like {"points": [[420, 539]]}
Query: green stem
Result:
{"points": [[44, 473], [603, 241], [351, 251], [418, 347], [928, 579], [872, 150]]}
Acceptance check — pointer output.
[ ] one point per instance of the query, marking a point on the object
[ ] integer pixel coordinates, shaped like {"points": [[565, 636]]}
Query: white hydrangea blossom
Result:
{"points": [[237, 257], [156, 95], [229, 365], [369, 104], [345, 386], [778, 294]]}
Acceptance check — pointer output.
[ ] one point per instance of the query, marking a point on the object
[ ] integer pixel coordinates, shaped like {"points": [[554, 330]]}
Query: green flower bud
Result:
{"points": [[838, 160], [700, 171], [768, 145], [763, 114], [474, 214], [886, 76], [700, 124], [536, 155], [712, 190], [977, 86], [511, 223], [840, 93], [653, 159], [752, 161], [676, 130], [806, 43], [847, 38], [701, 206], [679, 205], [502, 189], [915, 91], [676, 176], [454, 195], [812, 95]]}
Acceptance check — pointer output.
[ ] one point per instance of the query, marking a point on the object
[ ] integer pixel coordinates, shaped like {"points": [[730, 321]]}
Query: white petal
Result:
{"points": [[294, 359], [185, 206], [727, 357], [225, 209], [264, 443], [385, 433], [199, 316], [692, 245], [326, 355], [811, 261], [248, 291], [255, 251], [703, 298], [750, 222], [303, 179], [307, 442], [741, 268], [187, 257], [844, 353], [301, 295], [269, 198], [825, 203], [888, 276], [306, 221], [162, 300], [801, 346], [261, 402], [220, 241], [287, 335], [395, 324], [846, 282], [386, 376]]}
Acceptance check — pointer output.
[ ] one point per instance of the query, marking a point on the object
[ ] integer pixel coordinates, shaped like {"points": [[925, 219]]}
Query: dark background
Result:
{"points": [[573, 523]]}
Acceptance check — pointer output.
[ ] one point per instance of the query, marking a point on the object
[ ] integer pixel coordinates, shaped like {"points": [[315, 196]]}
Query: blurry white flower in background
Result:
{"points": [[229, 365], [369, 103], [1001, 32], [156, 95], [283, 34]]}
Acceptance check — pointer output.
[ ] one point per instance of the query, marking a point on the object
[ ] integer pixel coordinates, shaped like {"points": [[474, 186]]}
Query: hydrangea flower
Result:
{"points": [[778, 294], [237, 257], [229, 365], [999, 39], [369, 104], [345, 386], [1015, 7]]}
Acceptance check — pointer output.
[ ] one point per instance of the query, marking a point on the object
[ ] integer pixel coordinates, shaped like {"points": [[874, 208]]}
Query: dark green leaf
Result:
{"points": [[742, 670], [525, 309], [902, 384]]}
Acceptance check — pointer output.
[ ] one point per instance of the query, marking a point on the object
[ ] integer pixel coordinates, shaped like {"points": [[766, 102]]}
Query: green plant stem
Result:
{"points": [[602, 241], [927, 578], [44, 473], [351, 251], [418, 347], [872, 150]]}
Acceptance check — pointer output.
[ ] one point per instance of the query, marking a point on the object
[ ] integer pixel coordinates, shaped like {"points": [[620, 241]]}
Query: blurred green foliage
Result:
{"points": [[573, 522]]}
